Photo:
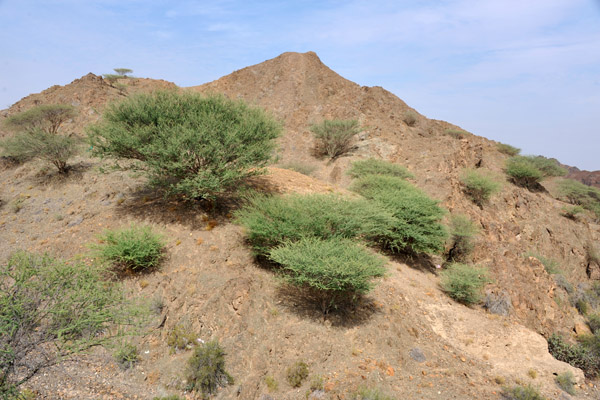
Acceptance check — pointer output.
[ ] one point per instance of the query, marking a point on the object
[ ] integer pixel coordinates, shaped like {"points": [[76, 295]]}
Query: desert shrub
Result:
{"points": [[46, 117], [334, 270], [571, 212], [297, 373], [521, 393], [563, 283], [206, 369], [508, 149], [135, 248], [580, 194], [334, 137], [271, 382], [479, 186], [190, 145], [462, 232], [410, 118], [550, 265], [585, 356], [373, 166], [498, 303], [592, 255], [301, 168], [55, 307], [582, 306], [182, 337], [528, 171], [417, 228], [566, 382], [456, 133], [366, 393], [126, 355], [464, 282], [272, 220], [54, 149]]}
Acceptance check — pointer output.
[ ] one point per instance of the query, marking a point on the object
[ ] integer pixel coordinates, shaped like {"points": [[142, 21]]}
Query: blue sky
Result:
{"points": [[524, 72]]}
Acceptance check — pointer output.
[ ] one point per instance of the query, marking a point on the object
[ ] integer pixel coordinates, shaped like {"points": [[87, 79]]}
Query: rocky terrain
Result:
{"points": [[408, 338]]}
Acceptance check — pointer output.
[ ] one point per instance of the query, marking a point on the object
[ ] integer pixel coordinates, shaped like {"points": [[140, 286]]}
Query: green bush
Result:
{"points": [[585, 355], [333, 270], [297, 373], [206, 369], [571, 212], [566, 382], [417, 228], [522, 393], [182, 337], [580, 194], [189, 144], [273, 220], [135, 248], [508, 149], [528, 171], [410, 118], [464, 283], [462, 232], [334, 137], [126, 355], [56, 307], [36, 136], [479, 186], [373, 166]]}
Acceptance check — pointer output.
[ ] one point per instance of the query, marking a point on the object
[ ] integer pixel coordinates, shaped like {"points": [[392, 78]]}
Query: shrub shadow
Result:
{"points": [[307, 306], [420, 262], [51, 177]]}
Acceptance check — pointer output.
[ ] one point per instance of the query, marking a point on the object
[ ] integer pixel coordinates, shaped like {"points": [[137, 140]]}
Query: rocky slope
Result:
{"points": [[408, 338]]}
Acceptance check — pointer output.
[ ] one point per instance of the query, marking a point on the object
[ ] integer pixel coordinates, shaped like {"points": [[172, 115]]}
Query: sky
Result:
{"points": [[523, 72]]}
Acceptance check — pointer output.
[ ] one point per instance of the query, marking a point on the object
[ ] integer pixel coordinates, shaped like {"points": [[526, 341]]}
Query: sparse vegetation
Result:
{"points": [[182, 337], [464, 282], [334, 137], [479, 186], [297, 373], [120, 73], [366, 393], [456, 133], [508, 149], [373, 166], [301, 168], [571, 212], [550, 265], [271, 383], [190, 145], [584, 355], [528, 171], [135, 248], [566, 382], [522, 393], [334, 271], [206, 369], [417, 228], [580, 195], [64, 308], [462, 232], [410, 118], [126, 355], [36, 135]]}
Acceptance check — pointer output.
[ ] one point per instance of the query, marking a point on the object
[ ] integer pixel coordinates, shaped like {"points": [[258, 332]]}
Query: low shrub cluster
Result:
{"points": [[508, 149], [136, 248], [370, 393], [297, 373], [463, 282], [410, 118], [456, 133], [566, 382], [462, 232], [373, 166], [571, 212], [584, 355], [334, 137], [417, 227], [479, 185], [581, 195], [126, 355], [522, 393], [528, 171], [301, 168], [206, 369]]}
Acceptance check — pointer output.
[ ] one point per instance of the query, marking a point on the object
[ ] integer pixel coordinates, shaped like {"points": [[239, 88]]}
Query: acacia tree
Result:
{"points": [[191, 145], [36, 135]]}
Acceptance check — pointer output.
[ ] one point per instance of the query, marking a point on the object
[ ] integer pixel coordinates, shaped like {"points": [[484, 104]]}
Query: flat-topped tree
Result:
{"points": [[123, 71]]}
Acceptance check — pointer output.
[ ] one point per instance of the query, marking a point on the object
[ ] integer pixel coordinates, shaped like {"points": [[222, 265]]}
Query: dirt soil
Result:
{"points": [[407, 337]]}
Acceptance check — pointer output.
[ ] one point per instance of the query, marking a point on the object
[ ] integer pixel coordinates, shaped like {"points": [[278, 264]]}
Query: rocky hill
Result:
{"points": [[409, 339]]}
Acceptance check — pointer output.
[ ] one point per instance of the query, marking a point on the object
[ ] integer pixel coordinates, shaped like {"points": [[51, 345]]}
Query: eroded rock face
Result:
{"points": [[593, 270]]}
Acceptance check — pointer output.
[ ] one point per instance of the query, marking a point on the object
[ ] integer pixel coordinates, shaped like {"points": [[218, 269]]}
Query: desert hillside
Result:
{"points": [[408, 338]]}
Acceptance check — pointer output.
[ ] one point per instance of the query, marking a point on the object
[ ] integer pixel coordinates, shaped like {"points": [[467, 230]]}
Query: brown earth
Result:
{"points": [[211, 281]]}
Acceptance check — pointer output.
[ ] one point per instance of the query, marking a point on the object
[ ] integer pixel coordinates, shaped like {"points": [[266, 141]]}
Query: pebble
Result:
{"points": [[417, 354]]}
